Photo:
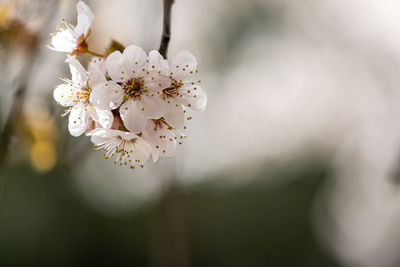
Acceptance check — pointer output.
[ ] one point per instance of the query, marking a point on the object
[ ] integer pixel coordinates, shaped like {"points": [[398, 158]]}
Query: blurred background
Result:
{"points": [[294, 162]]}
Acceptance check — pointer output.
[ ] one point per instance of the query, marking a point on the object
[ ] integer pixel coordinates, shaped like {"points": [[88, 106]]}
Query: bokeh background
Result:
{"points": [[294, 162]]}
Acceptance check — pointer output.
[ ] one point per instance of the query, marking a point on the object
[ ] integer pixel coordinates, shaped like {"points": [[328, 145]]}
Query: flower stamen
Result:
{"points": [[134, 88]]}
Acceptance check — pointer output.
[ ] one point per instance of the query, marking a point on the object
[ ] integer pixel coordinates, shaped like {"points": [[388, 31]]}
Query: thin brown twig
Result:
{"points": [[166, 34]]}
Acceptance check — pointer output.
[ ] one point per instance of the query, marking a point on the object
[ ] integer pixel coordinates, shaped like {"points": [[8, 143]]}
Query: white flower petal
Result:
{"points": [[162, 140], [157, 63], [155, 156], [142, 151], [91, 125], [100, 135], [193, 97], [184, 67], [156, 82], [96, 78], [107, 96], [101, 132], [85, 18], [157, 68], [104, 117], [97, 64], [133, 116], [64, 41], [78, 73], [117, 67], [78, 120], [125, 135], [64, 95], [95, 139], [175, 115], [153, 106], [136, 57]]}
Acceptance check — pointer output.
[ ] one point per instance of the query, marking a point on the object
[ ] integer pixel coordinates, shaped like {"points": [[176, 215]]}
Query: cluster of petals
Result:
{"points": [[130, 103]]}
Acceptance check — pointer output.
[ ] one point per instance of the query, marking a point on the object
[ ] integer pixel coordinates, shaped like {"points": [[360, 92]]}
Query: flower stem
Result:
{"points": [[94, 53], [166, 34]]}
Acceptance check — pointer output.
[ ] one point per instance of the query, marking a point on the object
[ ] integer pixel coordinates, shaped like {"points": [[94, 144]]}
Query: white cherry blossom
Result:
{"points": [[162, 137], [136, 80], [75, 94], [127, 148], [184, 90], [71, 39]]}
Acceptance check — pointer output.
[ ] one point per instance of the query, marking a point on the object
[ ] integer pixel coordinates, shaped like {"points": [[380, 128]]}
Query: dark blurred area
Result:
{"points": [[44, 222]]}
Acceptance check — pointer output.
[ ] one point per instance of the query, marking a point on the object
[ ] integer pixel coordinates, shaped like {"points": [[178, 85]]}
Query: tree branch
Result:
{"points": [[166, 34], [32, 40]]}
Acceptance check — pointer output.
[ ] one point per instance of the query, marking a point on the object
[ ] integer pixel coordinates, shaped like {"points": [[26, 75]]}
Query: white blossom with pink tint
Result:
{"points": [[75, 94], [127, 148], [71, 39], [184, 90], [162, 137]]}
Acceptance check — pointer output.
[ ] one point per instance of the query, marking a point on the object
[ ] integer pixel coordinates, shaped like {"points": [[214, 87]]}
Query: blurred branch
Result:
{"points": [[166, 34], [167, 221], [167, 230], [17, 101], [15, 113], [31, 45]]}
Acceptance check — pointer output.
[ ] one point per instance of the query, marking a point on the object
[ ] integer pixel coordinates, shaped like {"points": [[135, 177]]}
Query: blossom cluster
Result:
{"points": [[133, 105]]}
